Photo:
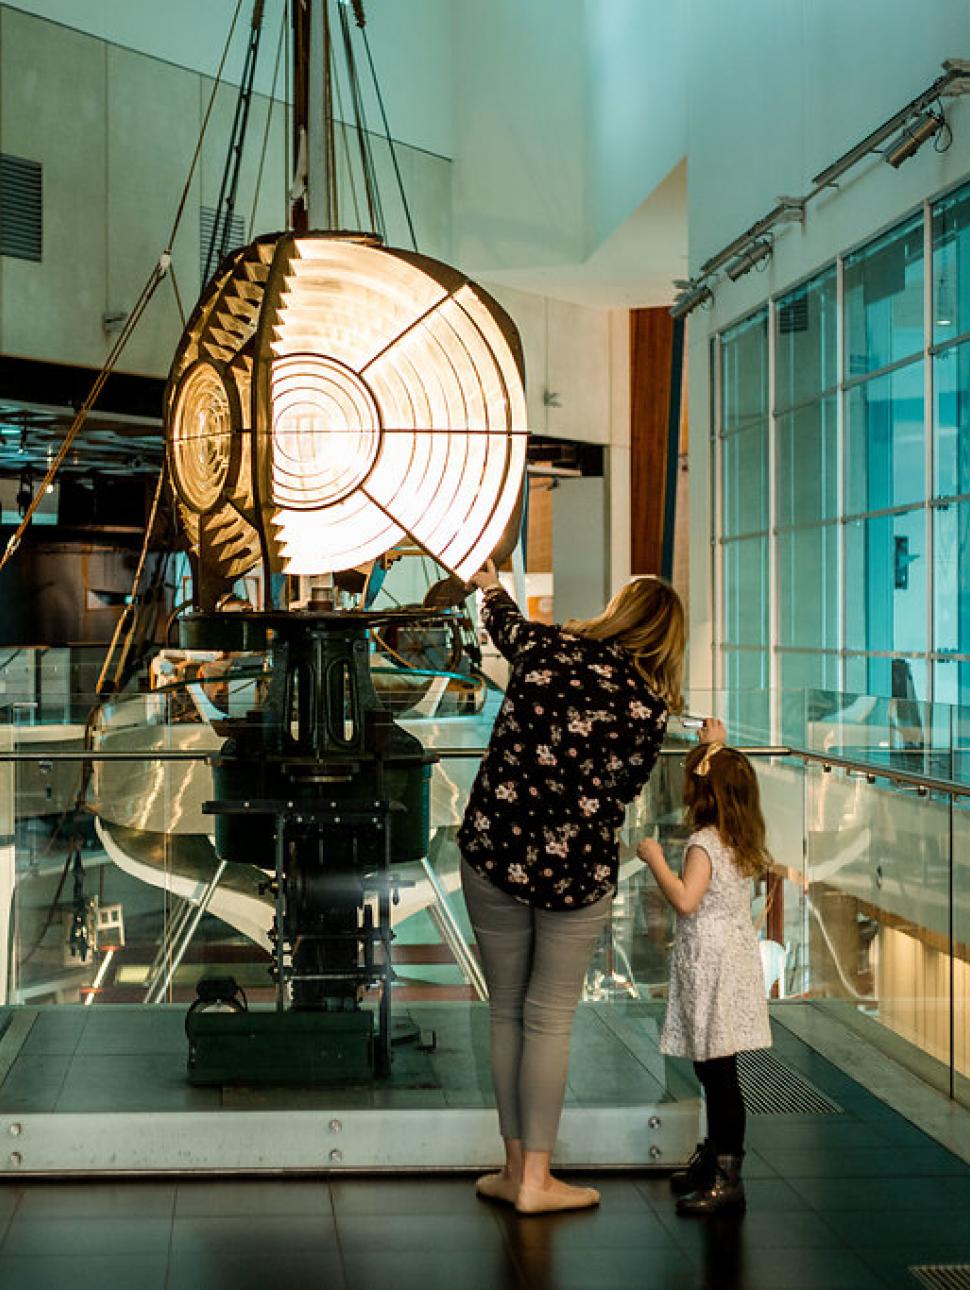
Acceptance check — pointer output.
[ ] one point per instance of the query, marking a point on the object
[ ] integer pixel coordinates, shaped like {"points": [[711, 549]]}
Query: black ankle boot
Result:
{"points": [[699, 1173], [725, 1194]]}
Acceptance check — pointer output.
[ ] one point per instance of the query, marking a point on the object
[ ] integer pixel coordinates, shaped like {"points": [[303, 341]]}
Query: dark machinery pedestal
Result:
{"points": [[321, 789]]}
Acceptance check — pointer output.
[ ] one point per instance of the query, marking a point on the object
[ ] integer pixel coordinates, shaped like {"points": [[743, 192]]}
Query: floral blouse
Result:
{"points": [[575, 740]]}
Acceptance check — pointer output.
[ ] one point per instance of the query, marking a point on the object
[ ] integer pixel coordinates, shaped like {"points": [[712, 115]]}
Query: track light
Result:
{"points": [[757, 253], [689, 299], [913, 136]]}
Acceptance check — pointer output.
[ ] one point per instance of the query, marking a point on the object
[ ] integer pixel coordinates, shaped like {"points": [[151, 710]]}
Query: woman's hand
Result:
{"points": [[485, 578], [650, 852], [713, 731]]}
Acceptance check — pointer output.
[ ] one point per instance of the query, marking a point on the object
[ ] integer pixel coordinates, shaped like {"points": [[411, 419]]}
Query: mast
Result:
{"points": [[315, 202]]}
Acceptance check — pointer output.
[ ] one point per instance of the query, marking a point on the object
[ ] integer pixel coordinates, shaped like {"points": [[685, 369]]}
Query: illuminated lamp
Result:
{"points": [[332, 398]]}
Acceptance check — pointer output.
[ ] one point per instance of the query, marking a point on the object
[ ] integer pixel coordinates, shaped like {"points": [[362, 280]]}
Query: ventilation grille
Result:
{"points": [[793, 316], [21, 191], [772, 1088], [213, 225], [942, 1276]]}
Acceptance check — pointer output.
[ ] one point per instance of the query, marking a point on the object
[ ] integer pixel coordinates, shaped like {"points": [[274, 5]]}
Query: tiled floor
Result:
{"points": [[849, 1200]]}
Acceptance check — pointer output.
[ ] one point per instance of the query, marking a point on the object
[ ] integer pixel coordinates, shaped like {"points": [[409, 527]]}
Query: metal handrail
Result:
{"points": [[873, 771]]}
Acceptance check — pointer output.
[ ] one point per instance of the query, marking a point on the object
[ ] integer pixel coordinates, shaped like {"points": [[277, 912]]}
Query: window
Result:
{"points": [[825, 556]]}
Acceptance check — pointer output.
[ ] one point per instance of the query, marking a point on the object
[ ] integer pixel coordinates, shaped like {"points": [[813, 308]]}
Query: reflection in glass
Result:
{"points": [[951, 265], [746, 480], [744, 371], [951, 578], [885, 579], [951, 387], [884, 441], [806, 486], [883, 286], [805, 341]]}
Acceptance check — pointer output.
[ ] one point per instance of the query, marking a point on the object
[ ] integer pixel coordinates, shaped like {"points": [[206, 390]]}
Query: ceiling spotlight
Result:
{"points": [[913, 136], [691, 298], [757, 253]]}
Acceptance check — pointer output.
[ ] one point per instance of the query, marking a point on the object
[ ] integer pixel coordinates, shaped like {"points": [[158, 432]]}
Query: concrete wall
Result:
{"points": [[115, 138]]}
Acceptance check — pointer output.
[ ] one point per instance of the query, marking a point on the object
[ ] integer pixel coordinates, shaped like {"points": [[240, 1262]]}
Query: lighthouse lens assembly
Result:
{"points": [[387, 405]]}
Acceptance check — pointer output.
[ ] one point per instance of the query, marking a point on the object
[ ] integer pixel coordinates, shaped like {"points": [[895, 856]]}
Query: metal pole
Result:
{"points": [[166, 979]]}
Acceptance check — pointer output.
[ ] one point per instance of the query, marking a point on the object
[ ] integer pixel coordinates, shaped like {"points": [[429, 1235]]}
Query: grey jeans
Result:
{"points": [[535, 961]]}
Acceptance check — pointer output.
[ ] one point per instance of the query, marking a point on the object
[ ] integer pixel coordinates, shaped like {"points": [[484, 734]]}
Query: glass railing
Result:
{"points": [[112, 893]]}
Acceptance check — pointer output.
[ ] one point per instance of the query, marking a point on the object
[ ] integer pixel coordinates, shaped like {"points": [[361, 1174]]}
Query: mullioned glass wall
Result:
{"points": [[842, 445]]}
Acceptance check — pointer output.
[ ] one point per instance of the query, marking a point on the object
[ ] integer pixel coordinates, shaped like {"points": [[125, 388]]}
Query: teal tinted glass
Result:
{"points": [[747, 708], [885, 585], [806, 488], [884, 441], [808, 587], [951, 421], [904, 677], [744, 372], [951, 265], [745, 570], [745, 466], [951, 578], [805, 342], [883, 290]]}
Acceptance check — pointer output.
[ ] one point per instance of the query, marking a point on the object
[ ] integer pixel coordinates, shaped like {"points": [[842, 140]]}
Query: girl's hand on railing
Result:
{"points": [[650, 852]]}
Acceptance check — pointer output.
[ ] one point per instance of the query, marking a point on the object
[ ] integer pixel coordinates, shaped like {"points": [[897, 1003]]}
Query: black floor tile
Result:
{"points": [[886, 1194], [241, 1236], [92, 1272], [907, 1227], [866, 1162], [416, 1233], [405, 1196], [85, 1237], [892, 1265], [277, 1196], [665, 1268], [96, 1199], [275, 1269], [585, 1230], [379, 1268]]}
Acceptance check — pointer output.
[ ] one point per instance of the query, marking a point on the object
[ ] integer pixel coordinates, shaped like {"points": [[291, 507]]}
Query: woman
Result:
{"points": [[580, 729]]}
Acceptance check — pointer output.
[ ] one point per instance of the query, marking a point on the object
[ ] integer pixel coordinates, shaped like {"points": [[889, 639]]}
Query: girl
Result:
{"points": [[578, 734], [716, 1004]]}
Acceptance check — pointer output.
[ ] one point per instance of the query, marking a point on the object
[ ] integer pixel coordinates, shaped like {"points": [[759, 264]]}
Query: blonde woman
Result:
{"points": [[580, 729]]}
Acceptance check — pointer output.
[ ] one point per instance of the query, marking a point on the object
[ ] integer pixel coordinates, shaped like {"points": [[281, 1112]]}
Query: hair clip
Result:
{"points": [[704, 765]]}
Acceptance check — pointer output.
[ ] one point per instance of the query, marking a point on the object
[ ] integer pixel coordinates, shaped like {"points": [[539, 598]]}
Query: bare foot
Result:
{"points": [[554, 1194]]}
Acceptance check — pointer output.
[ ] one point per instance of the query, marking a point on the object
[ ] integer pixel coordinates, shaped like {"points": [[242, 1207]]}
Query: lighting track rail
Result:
{"points": [[913, 125]]}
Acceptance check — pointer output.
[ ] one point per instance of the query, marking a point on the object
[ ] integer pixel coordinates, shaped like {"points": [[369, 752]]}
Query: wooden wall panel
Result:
{"points": [[651, 369]]}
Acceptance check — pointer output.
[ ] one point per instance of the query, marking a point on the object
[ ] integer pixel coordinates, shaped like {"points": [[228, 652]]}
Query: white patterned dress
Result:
{"points": [[716, 1004]]}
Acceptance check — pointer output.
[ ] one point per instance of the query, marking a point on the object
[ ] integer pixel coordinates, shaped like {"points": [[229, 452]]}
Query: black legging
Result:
{"points": [[725, 1105]]}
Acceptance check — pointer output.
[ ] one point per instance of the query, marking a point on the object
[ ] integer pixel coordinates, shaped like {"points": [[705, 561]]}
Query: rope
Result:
{"points": [[133, 600]]}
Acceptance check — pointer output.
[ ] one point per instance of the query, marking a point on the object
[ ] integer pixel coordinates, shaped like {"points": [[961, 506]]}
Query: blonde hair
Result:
{"points": [[646, 617], [721, 789]]}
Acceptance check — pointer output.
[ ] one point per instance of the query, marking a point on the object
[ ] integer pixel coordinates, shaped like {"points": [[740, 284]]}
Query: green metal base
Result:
{"points": [[280, 1048]]}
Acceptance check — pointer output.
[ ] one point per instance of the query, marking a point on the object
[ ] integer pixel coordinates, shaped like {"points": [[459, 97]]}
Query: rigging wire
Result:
{"points": [[362, 24], [351, 179], [368, 169], [269, 121], [221, 239]]}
